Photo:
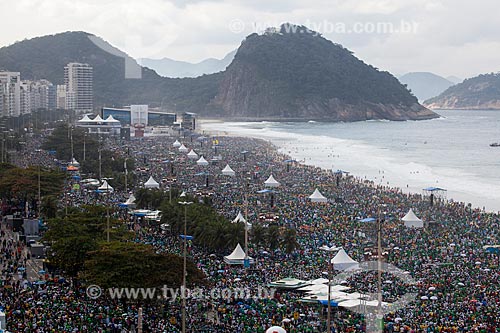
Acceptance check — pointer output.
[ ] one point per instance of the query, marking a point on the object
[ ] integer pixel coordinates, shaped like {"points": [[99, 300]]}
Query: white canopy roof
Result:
{"points": [[227, 171], [97, 119], [85, 119], [271, 182], [275, 329], [74, 162], [192, 155], [237, 256], [319, 281], [411, 220], [202, 161], [176, 144], [317, 196], [342, 261], [183, 149], [241, 219], [110, 119], [105, 187], [151, 183], [130, 200]]}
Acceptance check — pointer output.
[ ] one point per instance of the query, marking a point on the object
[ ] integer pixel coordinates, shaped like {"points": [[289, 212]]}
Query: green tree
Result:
{"points": [[258, 234], [273, 236], [71, 238], [125, 264], [289, 241]]}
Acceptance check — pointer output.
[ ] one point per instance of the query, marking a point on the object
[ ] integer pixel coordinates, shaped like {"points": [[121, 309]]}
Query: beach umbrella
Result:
{"points": [[424, 298], [434, 298], [432, 288], [276, 329]]}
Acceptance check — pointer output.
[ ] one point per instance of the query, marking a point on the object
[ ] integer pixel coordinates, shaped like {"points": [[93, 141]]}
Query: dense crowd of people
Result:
{"points": [[456, 279]]}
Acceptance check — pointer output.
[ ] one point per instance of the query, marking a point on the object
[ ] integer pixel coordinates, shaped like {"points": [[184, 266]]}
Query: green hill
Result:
{"points": [[277, 75], [480, 92]]}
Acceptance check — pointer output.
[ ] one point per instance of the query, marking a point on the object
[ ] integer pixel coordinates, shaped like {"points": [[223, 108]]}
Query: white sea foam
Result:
{"points": [[383, 165]]}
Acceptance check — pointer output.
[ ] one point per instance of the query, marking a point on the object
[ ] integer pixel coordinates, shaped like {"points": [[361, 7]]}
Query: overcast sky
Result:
{"points": [[447, 37]]}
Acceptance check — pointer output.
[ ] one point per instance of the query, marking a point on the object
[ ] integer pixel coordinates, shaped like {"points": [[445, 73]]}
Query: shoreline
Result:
{"points": [[409, 190]]}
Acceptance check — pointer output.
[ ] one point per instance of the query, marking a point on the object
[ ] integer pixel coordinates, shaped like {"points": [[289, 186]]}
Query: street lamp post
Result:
{"points": [[183, 288], [329, 249]]}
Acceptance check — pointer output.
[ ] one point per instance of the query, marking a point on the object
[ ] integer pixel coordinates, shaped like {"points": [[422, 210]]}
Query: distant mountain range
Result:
{"points": [[288, 73], [480, 92], [178, 69], [454, 79], [425, 85]]}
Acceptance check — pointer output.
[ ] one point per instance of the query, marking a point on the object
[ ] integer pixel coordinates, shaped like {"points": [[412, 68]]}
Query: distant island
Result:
{"points": [[286, 73], [477, 93]]}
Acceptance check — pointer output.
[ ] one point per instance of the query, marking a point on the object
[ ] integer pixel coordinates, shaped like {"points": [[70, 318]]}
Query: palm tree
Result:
{"points": [[273, 236], [289, 241], [258, 234], [49, 206]]}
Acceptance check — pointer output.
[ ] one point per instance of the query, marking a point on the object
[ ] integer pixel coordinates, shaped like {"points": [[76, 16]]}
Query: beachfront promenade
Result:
{"points": [[456, 279]]}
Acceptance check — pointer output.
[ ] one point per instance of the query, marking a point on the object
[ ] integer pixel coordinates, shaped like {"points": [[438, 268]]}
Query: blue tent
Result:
{"points": [[325, 302], [432, 189], [140, 213], [265, 191]]}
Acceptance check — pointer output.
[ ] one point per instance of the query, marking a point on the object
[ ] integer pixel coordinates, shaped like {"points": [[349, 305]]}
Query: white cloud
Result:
{"points": [[453, 37]]}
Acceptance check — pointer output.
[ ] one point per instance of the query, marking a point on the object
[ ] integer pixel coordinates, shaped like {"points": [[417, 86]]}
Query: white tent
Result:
{"points": [[130, 201], [98, 119], [317, 196], [183, 149], [151, 183], [276, 329], [85, 119], [271, 182], [227, 171], [176, 144], [237, 257], [105, 187], [342, 261], [202, 161], [411, 220], [192, 155], [241, 219], [74, 162]]}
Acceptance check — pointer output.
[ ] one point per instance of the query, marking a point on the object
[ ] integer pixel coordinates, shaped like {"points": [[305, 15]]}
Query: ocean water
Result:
{"points": [[451, 152]]}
